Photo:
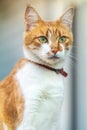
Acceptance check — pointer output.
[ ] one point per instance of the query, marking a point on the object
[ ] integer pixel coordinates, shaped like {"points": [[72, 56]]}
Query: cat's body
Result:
{"points": [[32, 95]]}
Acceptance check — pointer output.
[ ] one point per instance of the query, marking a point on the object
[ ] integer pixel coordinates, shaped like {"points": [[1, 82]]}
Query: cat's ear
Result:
{"points": [[31, 18], [67, 18]]}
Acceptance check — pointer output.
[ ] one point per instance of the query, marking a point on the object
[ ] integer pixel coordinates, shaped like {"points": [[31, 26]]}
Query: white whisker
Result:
{"points": [[73, 57]]}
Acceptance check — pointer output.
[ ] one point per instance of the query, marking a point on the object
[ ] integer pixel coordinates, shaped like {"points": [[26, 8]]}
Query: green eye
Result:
{"points": [[62, 39], [43, 39]]}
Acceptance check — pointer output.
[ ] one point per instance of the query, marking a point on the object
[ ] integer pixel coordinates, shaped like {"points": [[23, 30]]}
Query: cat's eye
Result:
{"points": [[62, 39], [43, 39]]}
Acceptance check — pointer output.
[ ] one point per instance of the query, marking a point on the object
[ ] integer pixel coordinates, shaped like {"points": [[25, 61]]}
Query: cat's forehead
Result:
{"points": [[53, 28]]}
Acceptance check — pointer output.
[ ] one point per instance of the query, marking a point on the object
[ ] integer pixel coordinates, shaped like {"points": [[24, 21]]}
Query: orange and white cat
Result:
{"points": [[31, 96]]}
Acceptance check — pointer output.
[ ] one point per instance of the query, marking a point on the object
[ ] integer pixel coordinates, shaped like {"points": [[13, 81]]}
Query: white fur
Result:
{"points": [[43, 93], [5, 126], [45, 48]]}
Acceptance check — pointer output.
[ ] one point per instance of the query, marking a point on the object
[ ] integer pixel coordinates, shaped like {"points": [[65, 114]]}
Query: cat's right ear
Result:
{"points": [[67, 18], [31, 18]]}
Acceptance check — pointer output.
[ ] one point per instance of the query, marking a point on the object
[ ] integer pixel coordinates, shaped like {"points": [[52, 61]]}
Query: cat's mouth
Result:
{"points": [[54, 57]]}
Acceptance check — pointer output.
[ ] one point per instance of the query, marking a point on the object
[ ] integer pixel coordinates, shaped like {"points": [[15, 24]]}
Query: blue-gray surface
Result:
{"points": [[11, 40]]}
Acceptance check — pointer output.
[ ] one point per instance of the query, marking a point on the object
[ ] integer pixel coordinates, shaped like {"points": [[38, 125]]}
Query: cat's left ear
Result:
{"points": [[67, 18], [31, 18]]}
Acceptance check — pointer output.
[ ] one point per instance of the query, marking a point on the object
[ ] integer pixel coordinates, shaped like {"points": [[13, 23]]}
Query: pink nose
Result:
{"points": [[54, 50]]}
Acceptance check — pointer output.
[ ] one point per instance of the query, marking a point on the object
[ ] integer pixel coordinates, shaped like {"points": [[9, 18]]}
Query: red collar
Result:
{"points": [[57, 71]]}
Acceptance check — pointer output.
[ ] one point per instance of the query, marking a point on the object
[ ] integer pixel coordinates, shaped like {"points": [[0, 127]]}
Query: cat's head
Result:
{"points": [[49, 42]]}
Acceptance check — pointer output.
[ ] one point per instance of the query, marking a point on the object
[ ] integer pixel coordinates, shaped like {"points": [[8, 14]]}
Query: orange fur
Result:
{"points": [[43, 29], [11, 99]]}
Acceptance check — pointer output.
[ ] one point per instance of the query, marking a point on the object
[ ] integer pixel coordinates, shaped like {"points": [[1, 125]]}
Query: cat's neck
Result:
{"points": [[31, 56]]}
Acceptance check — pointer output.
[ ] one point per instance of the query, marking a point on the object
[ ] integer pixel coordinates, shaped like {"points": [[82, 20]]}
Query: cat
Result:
{"points": [[31, 96]]}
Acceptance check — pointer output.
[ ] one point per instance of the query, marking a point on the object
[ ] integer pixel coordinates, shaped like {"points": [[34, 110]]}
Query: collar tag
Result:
{"points": [[61, 71]]}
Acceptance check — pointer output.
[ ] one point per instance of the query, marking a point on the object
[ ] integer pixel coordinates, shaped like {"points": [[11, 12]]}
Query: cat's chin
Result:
{"points": [[56, 63], [51, 61]]}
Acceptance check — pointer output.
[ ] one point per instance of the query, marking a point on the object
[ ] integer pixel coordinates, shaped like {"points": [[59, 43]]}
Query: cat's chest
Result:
{"points": [[34, 79], [41, 88]]}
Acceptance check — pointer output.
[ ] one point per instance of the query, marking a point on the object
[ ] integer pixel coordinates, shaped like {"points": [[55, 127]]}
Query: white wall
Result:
{"points": [[81, 68]]}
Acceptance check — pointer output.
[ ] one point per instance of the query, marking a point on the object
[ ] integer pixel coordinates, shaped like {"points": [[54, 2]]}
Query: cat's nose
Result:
{"points": [[54, 50]]}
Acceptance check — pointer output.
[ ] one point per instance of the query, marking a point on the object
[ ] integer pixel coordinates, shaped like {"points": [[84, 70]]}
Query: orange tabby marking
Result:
{"points": [[11, 99]]}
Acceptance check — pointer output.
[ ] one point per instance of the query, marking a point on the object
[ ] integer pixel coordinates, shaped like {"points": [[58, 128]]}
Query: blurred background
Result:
{"points": [[74, 110]]}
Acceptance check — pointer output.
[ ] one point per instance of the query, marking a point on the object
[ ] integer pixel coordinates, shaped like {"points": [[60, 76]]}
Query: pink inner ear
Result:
{"points": [[67, 18], [31, 18]]}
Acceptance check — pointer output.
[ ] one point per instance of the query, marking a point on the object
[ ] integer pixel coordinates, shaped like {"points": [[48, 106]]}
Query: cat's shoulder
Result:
{"points": [[19, 65], [10, 78]]}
